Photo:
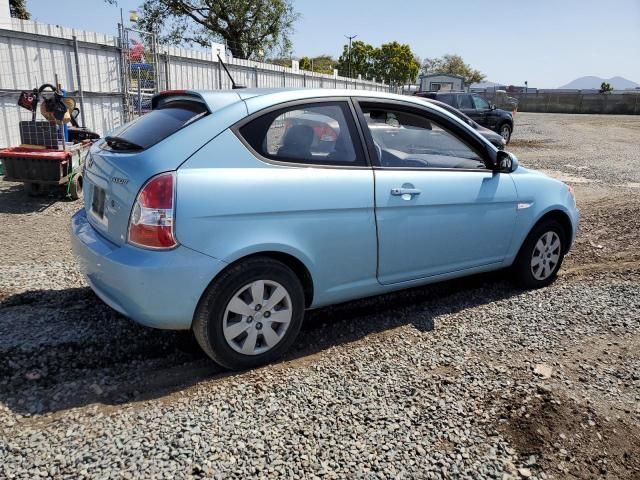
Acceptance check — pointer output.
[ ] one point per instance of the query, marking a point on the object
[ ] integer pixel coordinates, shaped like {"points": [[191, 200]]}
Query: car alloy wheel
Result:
{"points": [[257, 317], [505, 132], [546, 255]]}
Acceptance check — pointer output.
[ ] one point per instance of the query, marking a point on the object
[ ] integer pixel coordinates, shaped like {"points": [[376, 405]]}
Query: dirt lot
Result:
{"points": [[430, 383]]}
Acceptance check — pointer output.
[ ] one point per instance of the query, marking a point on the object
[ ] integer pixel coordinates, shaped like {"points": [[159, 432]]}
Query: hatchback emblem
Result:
{"points": [[119, 180]]}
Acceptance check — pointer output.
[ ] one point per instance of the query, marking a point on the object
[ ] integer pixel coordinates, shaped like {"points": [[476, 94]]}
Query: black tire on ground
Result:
{"points": [[75, 188], [208, 322], [523, 270], [505, 131]]}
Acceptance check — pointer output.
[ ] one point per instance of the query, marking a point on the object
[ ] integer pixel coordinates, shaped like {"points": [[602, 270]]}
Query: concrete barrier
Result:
{"points": [[553, 101]]}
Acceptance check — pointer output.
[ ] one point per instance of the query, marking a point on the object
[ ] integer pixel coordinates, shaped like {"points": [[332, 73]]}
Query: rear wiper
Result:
{"points": [[119, 143]]}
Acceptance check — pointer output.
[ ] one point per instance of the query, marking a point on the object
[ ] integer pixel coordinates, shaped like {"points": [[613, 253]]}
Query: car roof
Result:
{"points": [[259, 98]]}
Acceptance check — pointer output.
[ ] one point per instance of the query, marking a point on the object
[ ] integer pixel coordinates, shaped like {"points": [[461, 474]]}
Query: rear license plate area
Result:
{"points": [[97, 201]]}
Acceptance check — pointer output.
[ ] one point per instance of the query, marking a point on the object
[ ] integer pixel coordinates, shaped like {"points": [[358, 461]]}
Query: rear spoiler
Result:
{"points": [[168, 95]]}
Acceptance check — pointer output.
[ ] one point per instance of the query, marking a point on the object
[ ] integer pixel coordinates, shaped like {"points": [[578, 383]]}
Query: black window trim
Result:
{"points": [[358, 140], [477, 145]]}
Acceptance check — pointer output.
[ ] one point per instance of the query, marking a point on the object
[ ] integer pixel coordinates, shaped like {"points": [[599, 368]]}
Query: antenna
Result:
{"points": [[233, 83]]}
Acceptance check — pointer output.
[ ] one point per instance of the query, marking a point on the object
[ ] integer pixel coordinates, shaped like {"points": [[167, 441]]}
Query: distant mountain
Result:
{"points": [[584, 83]]}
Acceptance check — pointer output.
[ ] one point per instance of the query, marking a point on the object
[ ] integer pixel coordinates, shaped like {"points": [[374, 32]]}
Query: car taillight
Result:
{"points": [[151, 222], [325, 134]]}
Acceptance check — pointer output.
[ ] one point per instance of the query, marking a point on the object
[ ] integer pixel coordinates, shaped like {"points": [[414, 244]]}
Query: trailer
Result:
{"points": [[44, 170]]}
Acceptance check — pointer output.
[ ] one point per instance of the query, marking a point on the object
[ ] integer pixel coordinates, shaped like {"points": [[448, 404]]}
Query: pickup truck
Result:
{"points": [[478, 109]]}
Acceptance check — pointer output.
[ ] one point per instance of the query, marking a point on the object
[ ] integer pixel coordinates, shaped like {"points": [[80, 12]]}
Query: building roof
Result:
{"points": [[441, 75]]}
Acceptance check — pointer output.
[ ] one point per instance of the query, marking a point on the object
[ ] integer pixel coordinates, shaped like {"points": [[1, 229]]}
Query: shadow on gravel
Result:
{"points": [[15, 199], [64, 348]]}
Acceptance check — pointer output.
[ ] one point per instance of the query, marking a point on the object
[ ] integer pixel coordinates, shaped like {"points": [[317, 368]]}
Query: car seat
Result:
{"points": [[296, 142]]}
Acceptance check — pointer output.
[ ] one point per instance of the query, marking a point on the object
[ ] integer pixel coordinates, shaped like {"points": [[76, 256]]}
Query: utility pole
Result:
{"points": [[349, 55]]}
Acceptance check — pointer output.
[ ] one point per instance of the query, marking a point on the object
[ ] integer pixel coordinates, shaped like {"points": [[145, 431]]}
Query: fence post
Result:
{"points": [[166, 71], [284, 78], [124, 88], [580, 96], [635, 105], [219, 75], [255, 70], [304, 79], [139, 94], [79, 80]]}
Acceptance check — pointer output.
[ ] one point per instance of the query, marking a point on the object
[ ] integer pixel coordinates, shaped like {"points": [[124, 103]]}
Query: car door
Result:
{"points": [[467, 107], [483, 110], [438, 208]]}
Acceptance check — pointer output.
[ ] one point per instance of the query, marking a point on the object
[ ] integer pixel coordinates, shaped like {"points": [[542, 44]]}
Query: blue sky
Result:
{"points": [[548, 43]]}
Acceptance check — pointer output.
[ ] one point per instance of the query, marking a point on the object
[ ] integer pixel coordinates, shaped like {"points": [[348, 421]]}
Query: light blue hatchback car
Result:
{"points": [[232, 212]]}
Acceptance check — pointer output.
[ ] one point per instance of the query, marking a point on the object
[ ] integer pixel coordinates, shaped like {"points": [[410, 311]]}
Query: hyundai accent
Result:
{"points": [[230, 213]]}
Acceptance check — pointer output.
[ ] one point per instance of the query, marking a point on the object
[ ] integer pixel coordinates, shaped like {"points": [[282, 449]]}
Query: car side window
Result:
{"points": [[447, 98], [314, 133], [410, 140], [465, 101], [480, 103]]}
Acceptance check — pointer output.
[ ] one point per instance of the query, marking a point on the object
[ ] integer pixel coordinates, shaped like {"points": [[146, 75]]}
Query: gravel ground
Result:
{"points": [[467, 379]]}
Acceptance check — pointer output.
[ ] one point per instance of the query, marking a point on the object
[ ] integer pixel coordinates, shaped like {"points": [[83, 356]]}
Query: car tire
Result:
{"points": [[235, 329], [505, 131], [541, 255], [75, 187]]}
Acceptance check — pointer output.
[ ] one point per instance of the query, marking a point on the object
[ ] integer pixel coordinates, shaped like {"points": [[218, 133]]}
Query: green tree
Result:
{"points": [[454, 65], [305, 63], [282, 62], [319, 64], [605, 87], [391, 63], [362, 60], [246, 26], [322, 64], [18, 9], [395, 63]]}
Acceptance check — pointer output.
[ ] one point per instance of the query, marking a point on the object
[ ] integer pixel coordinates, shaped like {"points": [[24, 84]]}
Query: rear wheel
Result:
{"points": [[251, 314], [541, 255], [505, 132]]}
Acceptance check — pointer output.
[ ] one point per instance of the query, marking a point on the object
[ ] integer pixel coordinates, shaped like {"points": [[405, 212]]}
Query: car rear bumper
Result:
{"points": [[158, 289]]}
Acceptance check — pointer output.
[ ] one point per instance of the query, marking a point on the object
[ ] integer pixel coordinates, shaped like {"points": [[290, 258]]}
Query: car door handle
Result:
{"points": [[405, 191]]}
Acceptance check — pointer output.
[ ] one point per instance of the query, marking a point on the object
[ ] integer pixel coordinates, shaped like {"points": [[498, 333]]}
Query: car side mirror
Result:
{"points": [[505, 162], [492, 106]]}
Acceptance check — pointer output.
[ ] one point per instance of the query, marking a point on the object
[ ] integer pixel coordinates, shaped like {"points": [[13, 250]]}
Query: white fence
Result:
{"points": [[33, 53]]}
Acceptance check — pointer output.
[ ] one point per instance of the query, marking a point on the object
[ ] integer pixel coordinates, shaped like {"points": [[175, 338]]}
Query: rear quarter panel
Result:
{"points": [[231, 205]]}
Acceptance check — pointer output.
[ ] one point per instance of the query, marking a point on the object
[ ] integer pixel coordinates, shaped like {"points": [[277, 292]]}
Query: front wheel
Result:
{"points": [[251, 314], [541, 255], [505, 132]]}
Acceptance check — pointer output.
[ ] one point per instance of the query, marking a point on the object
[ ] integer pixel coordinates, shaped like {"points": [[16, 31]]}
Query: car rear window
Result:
{"points": [[155, 126]]}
